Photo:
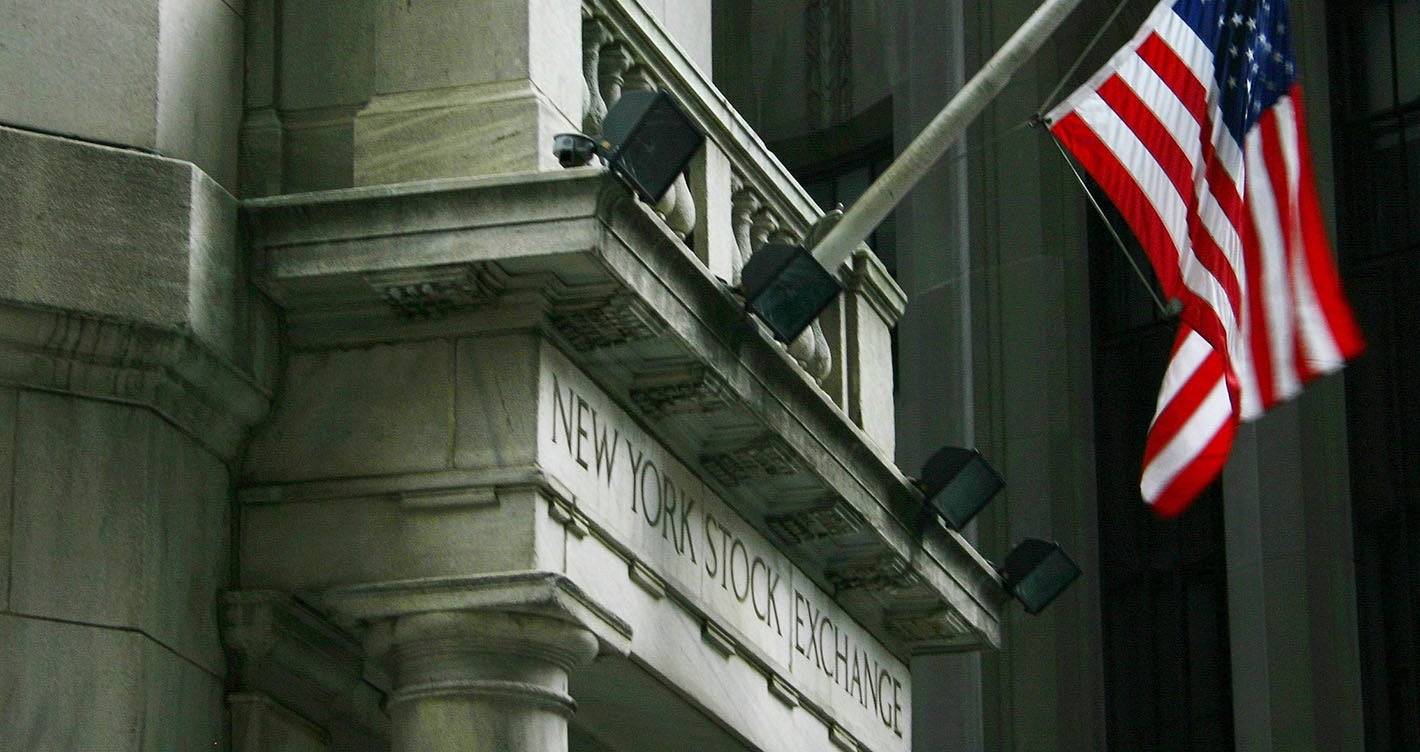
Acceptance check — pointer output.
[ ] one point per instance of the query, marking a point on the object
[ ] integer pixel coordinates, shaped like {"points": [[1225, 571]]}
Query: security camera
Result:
{"points": [[573, 149]]}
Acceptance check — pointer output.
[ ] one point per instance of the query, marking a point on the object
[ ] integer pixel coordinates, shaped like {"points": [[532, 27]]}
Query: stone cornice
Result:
{"points": [[166, 370]]}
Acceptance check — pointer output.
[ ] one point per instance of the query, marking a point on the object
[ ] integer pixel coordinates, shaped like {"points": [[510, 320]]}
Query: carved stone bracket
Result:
{"points": [[883, 572], [606, 321], [766, 456], [828, 520], [936, 625], [686, 390], [431, 292]]}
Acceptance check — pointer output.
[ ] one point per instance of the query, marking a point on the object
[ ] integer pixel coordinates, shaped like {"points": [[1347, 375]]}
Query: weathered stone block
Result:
{"points": [[95, 74], [469, 88], [478, 130], [117, 234]]}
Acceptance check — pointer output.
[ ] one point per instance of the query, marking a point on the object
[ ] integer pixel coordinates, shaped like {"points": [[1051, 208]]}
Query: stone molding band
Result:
{"points": [[525, 693], [166, 370]]}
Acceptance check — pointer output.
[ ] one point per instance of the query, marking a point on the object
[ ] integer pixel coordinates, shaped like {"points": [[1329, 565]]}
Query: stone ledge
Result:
{"points": [[283, 650]]}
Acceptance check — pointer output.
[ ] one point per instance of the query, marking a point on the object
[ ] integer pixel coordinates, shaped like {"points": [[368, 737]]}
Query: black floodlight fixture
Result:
{"points": [[957, 483], [647, 141], [1036, 571], [787, 288]]}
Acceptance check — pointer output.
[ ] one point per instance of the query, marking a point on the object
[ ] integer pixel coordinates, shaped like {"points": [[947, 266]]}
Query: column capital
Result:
{"points": [[544, 594], [480, 662]]}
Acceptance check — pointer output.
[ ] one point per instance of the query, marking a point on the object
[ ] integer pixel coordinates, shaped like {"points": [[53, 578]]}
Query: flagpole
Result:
{"points": [[886, 192]]}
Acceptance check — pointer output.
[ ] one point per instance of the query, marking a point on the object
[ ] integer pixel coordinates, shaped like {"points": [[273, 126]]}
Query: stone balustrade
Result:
{"points": [[737, 196]]}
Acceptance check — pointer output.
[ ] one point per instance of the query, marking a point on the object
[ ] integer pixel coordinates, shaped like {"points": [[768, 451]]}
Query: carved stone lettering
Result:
{"points": [[693, 542]]}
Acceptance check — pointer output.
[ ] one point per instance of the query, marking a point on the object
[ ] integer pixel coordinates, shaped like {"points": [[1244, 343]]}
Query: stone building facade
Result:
{"points": [[336, 415]]}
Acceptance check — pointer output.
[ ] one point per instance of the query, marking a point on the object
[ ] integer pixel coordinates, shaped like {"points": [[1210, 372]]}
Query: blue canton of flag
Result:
{"points": [[1252, 54]]}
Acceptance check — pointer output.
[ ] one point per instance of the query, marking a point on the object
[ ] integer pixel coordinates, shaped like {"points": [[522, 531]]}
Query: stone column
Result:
{"points": [[468, 681]]}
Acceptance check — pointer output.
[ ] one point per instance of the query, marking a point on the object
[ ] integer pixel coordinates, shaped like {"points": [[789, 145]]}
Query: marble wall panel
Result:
{"points": [[363, 411], [200, 70], [119, 521], [71, 686], [497, 393], [7, 484], [156, 74], [82, 67], [327, 53]]}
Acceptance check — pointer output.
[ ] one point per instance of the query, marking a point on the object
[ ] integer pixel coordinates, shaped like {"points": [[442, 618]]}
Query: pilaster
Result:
{"points": [[469, 89]]}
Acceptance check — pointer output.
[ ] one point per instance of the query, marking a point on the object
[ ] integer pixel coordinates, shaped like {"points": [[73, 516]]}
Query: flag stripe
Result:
{"points": [[1275, 333]]}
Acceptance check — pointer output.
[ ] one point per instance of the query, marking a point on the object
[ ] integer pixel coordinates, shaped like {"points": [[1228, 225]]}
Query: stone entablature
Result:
{"points": [[448, 441], [682, 541], [570, 247]]}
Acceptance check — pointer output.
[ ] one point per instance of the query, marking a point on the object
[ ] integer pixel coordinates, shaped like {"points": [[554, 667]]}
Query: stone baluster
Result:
{"points": [[743, 205], [611, 73], [595, 37], [677, 206], [762, 223], [810, 348]]}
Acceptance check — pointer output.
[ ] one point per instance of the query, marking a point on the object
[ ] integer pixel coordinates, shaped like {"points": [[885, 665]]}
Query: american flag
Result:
{"points": [[1195, 130]]}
